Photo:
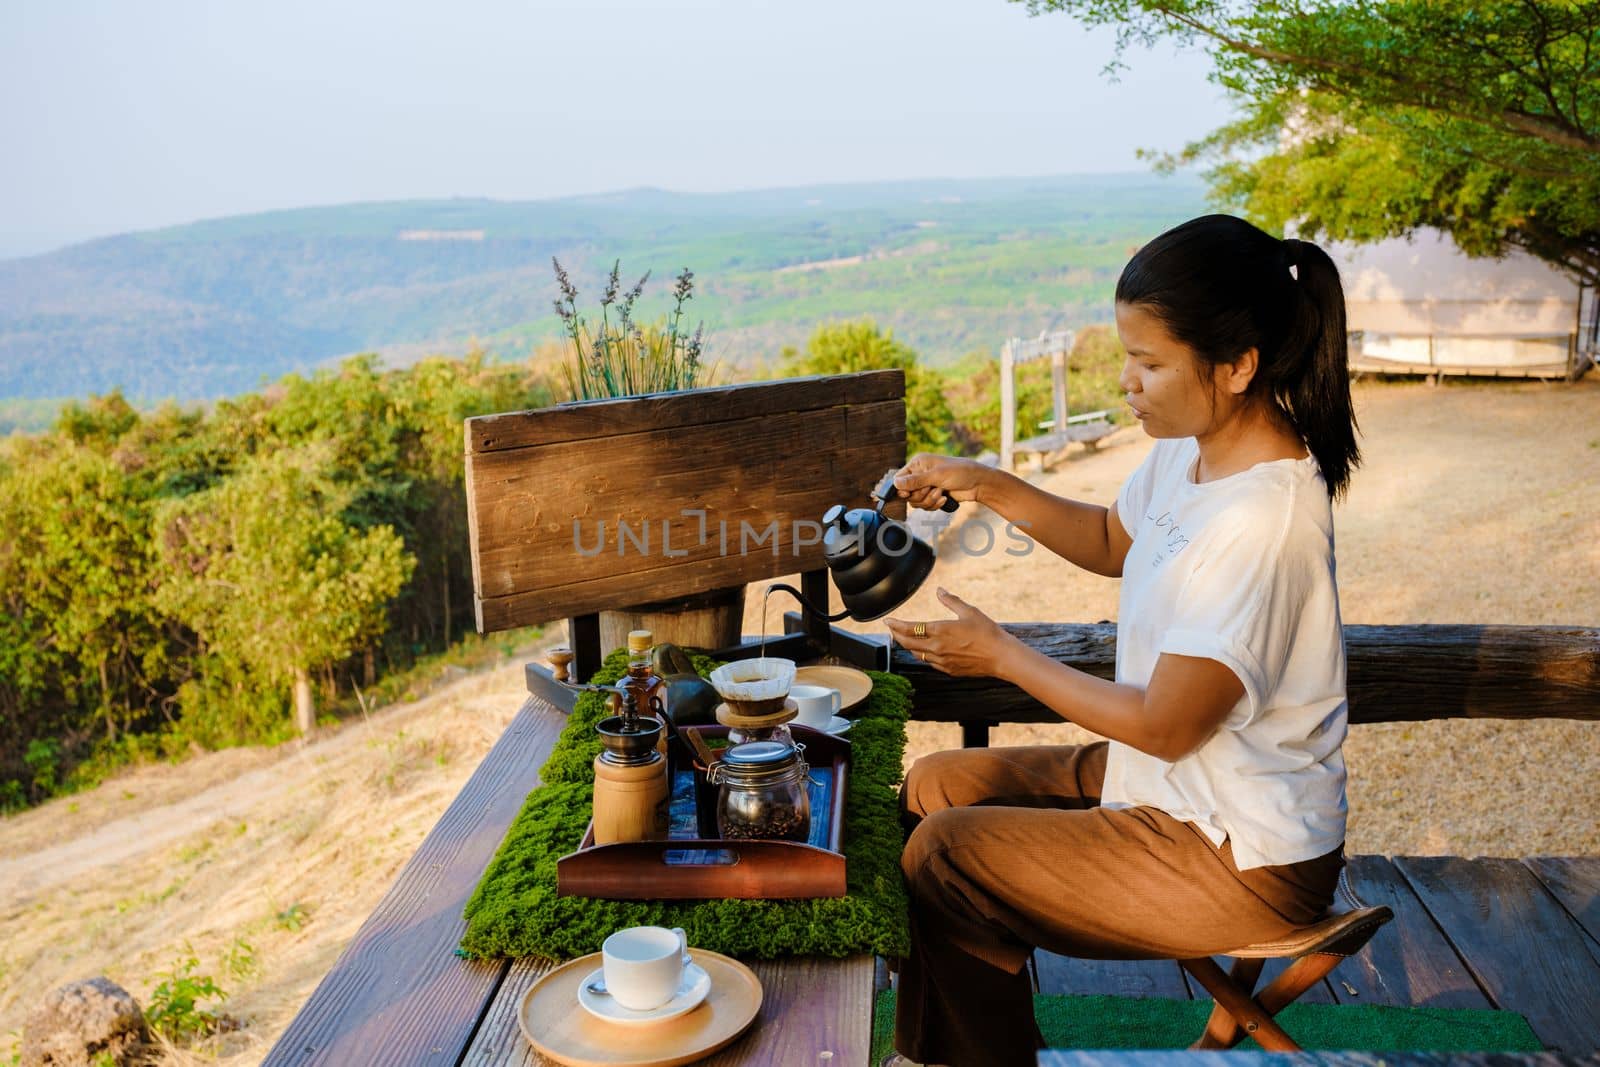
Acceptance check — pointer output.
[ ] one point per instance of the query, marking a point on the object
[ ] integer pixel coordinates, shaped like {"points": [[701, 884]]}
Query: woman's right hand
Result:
{"points": [[927, 479]]}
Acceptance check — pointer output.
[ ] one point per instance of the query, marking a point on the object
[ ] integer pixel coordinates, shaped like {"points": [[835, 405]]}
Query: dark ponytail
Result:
{"points": [[1221, 286]]}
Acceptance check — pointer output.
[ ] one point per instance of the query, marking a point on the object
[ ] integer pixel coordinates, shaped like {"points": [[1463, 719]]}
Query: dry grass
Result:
{"points": [[1477, 504], [271, 856]]}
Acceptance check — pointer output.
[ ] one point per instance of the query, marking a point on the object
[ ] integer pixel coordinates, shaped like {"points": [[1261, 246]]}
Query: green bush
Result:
{"points": [[42, 759], [239, 960], [99, 670], [847, 347], [174, 1008]]}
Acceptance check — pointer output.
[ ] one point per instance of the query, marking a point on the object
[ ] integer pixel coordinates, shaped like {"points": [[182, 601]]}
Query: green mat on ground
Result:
{"points": [[515, 910], [1157, 1023]]}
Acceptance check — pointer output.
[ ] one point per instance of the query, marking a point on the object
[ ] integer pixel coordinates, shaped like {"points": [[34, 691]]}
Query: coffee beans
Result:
{"points": [[782, 824]]}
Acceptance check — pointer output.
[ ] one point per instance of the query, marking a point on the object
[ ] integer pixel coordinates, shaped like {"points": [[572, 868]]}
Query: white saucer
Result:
{"points": [[838, 724], [696, 983]]}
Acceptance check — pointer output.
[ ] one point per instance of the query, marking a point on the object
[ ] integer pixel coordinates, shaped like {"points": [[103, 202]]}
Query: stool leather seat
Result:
{"points": [[1314, 949], [1342, 930]]}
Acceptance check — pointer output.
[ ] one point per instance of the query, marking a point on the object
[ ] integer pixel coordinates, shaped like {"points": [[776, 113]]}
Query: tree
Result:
{"points": [[846, 347], [266, 570], [78, 631], [1368, 119]]}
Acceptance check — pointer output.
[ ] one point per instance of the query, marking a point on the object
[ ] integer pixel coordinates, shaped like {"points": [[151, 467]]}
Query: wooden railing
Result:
{"points": [[1394, 673]]}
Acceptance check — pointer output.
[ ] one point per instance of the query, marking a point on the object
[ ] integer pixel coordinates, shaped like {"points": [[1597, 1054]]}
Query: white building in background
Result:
{"points": [[1421, 306]]}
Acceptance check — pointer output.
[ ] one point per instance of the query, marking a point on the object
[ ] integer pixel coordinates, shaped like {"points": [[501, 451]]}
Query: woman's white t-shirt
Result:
{"points": [[1239, 570]]}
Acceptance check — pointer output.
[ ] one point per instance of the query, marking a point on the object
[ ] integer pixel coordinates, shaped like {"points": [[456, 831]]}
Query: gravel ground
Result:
{"points": [[1477, 503]]}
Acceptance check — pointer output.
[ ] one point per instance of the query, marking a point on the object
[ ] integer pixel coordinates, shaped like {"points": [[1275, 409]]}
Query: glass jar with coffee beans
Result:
{"points": [[762, 791]]}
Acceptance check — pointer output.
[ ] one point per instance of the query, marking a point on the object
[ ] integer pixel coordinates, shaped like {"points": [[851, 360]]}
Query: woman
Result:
{"points": [[1214, 816]]}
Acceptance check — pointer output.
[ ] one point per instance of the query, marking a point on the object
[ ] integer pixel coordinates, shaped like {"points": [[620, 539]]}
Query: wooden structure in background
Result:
{"points": [[1419, 305], [1063, 429]]}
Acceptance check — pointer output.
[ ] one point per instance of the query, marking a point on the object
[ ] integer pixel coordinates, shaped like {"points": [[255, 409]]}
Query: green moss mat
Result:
{"points": [[515, 910], [1157, 1023]]}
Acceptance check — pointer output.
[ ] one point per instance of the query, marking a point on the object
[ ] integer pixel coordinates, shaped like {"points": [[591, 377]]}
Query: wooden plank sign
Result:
{"points": [[609, 503]]}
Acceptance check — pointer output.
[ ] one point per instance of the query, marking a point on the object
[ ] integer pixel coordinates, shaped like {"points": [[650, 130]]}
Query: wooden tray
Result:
{"points": [[554, 1024], [694, 864]]}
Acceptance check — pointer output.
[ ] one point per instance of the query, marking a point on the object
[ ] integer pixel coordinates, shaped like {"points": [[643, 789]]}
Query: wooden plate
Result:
{"points": [[554, 1024], [854, 686]]}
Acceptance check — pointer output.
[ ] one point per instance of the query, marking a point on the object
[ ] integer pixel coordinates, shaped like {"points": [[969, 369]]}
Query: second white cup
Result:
{"points": [[644, 965], [818, 705]]}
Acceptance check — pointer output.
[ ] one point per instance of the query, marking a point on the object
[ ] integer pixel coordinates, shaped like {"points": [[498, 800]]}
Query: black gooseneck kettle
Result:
{"points": [[876, 561]]}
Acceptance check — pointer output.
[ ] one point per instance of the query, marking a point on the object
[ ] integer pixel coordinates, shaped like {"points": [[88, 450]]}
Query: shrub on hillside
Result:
{"points": [[97, 669], [846, 347]]}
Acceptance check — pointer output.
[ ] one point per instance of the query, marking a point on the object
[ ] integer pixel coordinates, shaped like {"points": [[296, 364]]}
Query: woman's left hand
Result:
{"points": [[968, 645]]}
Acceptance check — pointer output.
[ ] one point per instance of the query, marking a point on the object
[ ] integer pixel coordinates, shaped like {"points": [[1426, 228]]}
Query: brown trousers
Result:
{"points": [[1009, 850]]}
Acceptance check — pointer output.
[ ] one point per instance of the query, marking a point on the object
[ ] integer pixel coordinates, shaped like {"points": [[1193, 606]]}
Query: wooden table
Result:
{"points": [[399, 994]]}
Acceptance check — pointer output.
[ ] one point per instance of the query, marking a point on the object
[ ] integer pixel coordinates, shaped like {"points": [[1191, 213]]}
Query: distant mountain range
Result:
{"points": [[217, 307]]}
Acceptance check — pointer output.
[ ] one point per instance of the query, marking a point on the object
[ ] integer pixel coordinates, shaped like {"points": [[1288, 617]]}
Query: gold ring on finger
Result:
{"points": [[923, 656], [919, 630]]}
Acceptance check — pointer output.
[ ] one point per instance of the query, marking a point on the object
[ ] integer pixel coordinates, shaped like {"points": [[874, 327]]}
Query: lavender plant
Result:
{"points": [[625, 357]]}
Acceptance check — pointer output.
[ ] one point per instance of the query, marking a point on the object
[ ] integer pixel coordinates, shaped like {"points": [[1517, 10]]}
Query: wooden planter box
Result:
{"points": [[604, 504]]}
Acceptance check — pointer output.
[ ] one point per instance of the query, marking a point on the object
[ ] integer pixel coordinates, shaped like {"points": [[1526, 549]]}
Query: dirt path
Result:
{"points": [[127, 838]]}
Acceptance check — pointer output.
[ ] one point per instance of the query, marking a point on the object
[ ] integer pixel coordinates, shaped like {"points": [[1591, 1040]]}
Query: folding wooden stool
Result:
{"points": [[1315, 950]]}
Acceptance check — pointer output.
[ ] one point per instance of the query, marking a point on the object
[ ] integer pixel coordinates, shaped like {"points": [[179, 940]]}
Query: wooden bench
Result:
{"points": [[1061, 430], [1086, 429]]}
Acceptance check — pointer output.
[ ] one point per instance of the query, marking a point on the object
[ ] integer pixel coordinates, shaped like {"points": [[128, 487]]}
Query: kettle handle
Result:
{"points": [[806, 603], [883, 492]]}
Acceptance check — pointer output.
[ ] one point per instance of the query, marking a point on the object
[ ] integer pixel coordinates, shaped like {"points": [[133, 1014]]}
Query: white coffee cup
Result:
{"points": [[818, 704], [644, 965]]}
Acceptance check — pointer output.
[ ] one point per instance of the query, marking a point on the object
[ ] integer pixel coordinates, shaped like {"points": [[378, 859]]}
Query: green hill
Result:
{"points": [[217, 307]]}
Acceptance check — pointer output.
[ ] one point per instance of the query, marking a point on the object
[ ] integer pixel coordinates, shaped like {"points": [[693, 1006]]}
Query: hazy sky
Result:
{"points": [[123, 115]]}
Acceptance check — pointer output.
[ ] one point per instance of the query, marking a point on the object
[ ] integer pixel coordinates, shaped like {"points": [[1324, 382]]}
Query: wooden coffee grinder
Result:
{"points": [[631, 789], [630, 777]]}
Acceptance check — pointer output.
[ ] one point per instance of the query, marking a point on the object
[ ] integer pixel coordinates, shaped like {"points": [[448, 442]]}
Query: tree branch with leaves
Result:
{"points": [[1367, 119]]}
